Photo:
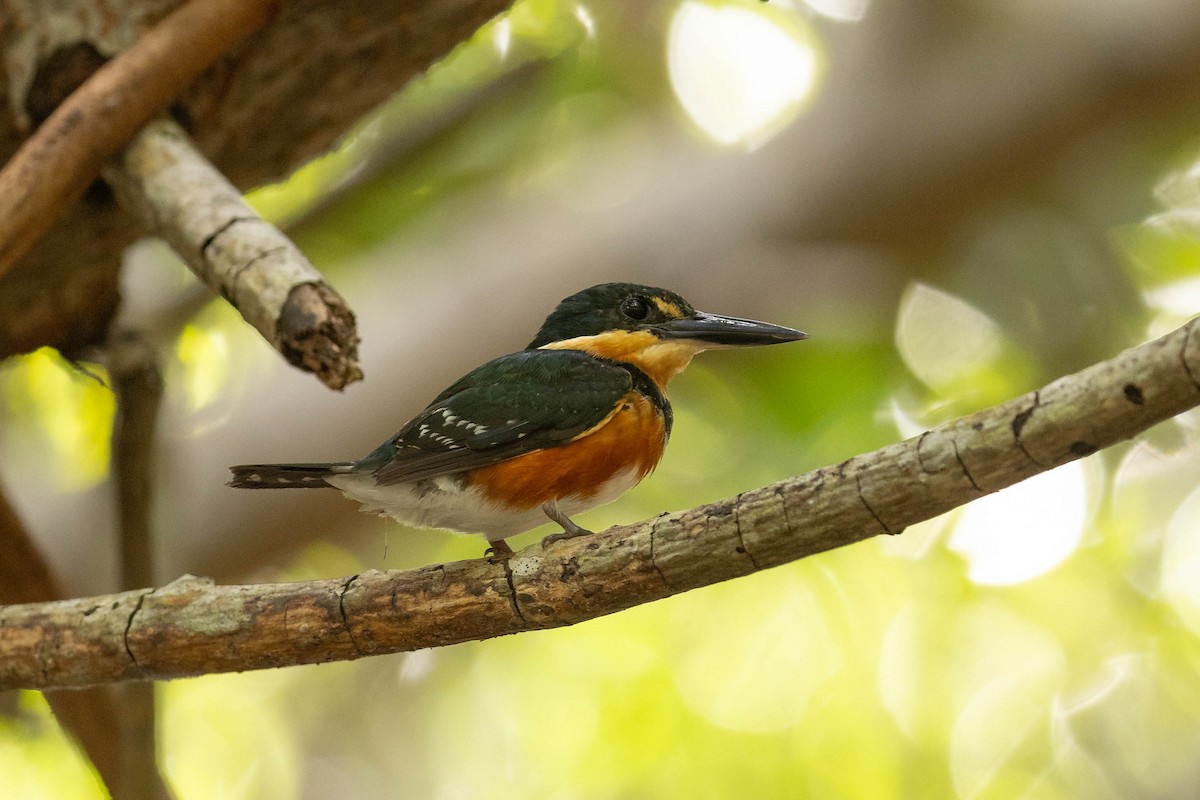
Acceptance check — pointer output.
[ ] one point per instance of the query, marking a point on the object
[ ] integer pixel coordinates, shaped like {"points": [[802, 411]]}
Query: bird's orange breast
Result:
{"points": [[631, 438]]}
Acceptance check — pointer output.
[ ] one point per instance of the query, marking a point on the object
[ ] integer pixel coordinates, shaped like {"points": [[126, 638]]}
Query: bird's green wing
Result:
{"points": [[513, 405]]}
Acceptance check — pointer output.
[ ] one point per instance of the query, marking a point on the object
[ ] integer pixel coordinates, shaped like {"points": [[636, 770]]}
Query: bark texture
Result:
{"points": [[53, 167], [285, 95], [193, 627], [163, 180]]}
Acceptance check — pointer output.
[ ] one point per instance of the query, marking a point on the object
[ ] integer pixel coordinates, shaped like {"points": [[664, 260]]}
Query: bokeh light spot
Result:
{"points": [[739, 73], [203, 353], [761, 656], [840, 10], [944, 340], [503, 37], [999, 742], [224, 736], [586, 20], [1025, 530], [70, 409], [37, 760], [1181, 562]]}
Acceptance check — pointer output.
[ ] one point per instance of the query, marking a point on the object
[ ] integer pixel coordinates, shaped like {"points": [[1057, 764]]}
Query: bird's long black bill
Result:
{"points": [[716, 329]]}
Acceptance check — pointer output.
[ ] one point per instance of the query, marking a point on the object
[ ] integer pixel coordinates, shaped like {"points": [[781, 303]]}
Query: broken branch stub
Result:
{"points": [[164, 181]]}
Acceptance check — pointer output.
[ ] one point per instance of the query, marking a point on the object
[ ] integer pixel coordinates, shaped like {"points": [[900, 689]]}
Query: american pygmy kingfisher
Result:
{"points": [[573, 421]]}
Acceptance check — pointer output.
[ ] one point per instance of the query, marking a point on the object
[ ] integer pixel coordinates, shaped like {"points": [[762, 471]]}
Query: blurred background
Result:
{"points": [[959, 201]]}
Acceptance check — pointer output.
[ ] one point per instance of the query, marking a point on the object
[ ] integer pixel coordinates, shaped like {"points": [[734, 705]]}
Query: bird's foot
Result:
{"points": [[569, 529], [498, 552], [555, 537]]}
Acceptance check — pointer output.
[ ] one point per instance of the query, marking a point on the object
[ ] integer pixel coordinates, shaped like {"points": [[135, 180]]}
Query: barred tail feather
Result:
{"points": [[285, 476]]}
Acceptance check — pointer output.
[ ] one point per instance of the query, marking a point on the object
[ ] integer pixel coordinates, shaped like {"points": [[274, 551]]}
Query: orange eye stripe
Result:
{"points": [[669, 309]]}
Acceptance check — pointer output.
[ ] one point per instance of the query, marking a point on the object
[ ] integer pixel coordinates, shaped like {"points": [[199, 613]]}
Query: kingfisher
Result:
{"points": [[571, 422]]}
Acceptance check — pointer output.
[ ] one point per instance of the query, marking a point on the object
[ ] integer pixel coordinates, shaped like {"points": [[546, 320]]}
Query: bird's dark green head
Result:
{"points": [[656, 314], [610, 307]]}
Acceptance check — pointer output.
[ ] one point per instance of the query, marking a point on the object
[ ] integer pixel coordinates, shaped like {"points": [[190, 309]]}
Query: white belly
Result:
{"points": [[443, 503]]}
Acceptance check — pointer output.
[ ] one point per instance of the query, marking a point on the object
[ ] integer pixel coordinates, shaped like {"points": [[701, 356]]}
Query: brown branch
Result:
{"points": [[138, 386], [178, 195], [192, 627], [89, 716], [25, 577], [52, 168], [291, 90]]}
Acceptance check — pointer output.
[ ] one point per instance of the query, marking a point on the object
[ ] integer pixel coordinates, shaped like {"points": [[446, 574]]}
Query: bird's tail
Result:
{"points": [[285, 476]]}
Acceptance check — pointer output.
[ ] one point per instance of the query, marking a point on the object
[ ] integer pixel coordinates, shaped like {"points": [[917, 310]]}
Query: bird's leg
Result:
{"points": [[499, 551], [570, 529]]}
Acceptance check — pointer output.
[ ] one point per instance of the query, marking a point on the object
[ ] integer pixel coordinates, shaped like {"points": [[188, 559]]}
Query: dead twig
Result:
{"points": [[178, 195]]}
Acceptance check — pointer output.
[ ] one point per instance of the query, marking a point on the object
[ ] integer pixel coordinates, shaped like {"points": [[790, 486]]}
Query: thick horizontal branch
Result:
{"points": [[178, 195], [192, 627], [51, 170]]}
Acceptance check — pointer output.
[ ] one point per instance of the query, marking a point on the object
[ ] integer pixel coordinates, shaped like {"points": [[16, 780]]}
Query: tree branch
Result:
{"points": [[292, 90], [89, 716], [51, 170], [138, 386], [177, 194], [192, 627]]}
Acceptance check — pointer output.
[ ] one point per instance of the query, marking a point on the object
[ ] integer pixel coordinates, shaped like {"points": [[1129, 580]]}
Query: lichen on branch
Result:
{"points": [[193, 627]]}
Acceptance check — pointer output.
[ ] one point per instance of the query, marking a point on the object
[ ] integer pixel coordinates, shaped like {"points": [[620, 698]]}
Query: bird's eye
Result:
{"points": [[635, 308]]}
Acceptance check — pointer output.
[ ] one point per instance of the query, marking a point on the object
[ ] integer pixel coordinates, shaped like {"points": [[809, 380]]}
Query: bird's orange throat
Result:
{"points": [[660, 359]]}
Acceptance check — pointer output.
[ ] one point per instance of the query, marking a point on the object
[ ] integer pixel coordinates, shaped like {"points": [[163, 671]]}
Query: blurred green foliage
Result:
{"points": [[60, 414], [885, 670]]}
